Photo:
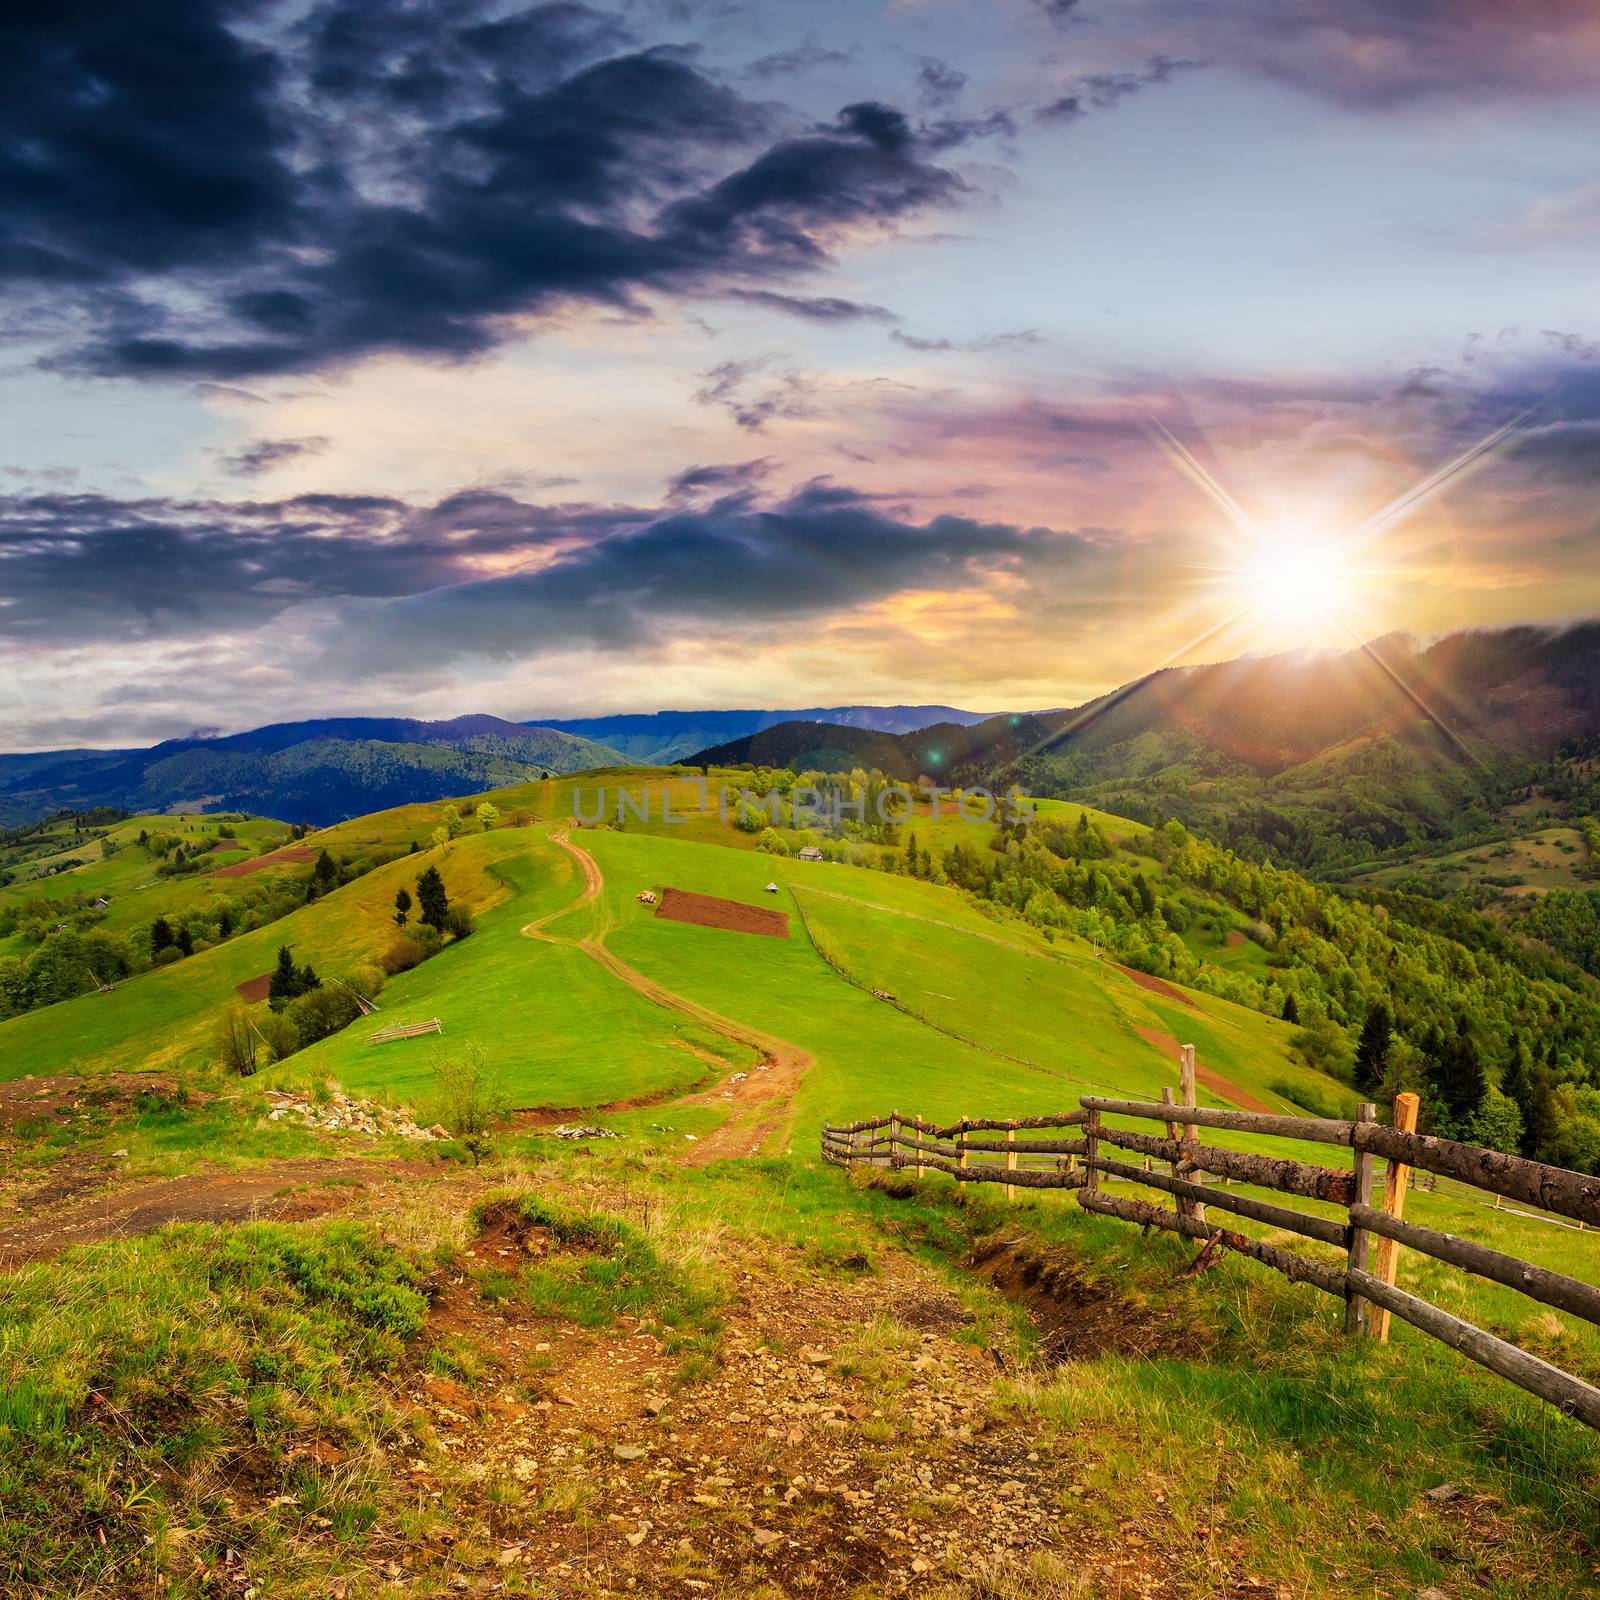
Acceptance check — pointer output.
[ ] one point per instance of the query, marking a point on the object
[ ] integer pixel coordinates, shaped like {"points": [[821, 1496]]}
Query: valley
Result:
{"points": [[675, 1355]]}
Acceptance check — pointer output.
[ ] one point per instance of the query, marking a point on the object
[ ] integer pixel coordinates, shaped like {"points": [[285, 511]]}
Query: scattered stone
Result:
{"points": [[765, 1536], [341, 1112], [579, 1131], [1445, 1491], [627, 1452]]}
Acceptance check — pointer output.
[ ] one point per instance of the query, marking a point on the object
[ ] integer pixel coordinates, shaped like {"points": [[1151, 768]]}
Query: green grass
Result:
{"points": [[139, 1380]]}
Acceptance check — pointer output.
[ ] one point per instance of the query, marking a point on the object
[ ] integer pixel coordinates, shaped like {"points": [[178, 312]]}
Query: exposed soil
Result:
{"points": [[1208, 1076], [808, 1464], [1076, 1320], [253, 990], [285, 1191], [708, 911], [288, 855], [63, 1097], [1233, 939], [1155, 985]]}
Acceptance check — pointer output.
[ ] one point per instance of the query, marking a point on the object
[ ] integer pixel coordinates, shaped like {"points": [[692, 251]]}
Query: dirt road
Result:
{"points": [[759, 1103]]}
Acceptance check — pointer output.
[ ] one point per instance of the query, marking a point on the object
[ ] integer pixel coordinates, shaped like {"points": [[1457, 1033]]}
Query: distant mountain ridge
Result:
{"points": [[662, 737], [329, 768], [319, 771], [1322, 760]]}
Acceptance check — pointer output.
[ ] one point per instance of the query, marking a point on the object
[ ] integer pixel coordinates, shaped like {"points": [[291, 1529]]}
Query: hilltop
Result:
{"points": [[559, 1298]]}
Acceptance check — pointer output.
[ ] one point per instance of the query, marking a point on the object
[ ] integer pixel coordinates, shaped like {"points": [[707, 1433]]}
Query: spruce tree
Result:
{"points": [[160, 935], [431, 897], [283, 986], [1372, 1049], [402, 906], [1291, 1008]]}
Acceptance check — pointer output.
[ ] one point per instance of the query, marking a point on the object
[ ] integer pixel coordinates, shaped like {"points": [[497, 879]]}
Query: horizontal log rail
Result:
{"points": [[1324, 1229], [1294, 1267], [1021, 1177], [1081, 1164], [1569, 1194], [1572, 1395], [1270, 1172], [1538, 1283], [1319, 1130]]}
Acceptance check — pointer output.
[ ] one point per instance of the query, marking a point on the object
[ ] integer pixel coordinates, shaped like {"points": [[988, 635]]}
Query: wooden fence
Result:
{"points": [[407, 1030], [1365, 1280]]}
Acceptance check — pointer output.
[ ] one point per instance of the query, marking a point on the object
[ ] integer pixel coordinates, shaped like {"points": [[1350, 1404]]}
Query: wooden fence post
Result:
{"points": [[1191, 1134], [1394, 1202], [921, 1130], [1184, 1207], [1354, 1305], [963, 1144], [894, 1137], [1091, 1154], [1011, 1163]]}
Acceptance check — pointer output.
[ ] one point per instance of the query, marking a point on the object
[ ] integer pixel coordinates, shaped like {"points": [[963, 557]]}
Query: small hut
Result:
{"points": [[772, 888], [811, 853]]}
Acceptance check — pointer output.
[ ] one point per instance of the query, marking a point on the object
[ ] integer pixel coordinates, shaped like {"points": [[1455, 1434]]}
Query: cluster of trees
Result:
{"points": [[1386, 992], [74, 955], [301, 1009]]}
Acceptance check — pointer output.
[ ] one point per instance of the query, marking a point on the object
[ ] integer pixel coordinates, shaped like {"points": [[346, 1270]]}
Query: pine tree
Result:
{"points": [[911, 855], [283, 986], [1291, 1009], [431, 897], [1147, 901], [1455, 1070], [1372, 1049], [185, 941], [402, 906], [326, 870], [160, 935]]}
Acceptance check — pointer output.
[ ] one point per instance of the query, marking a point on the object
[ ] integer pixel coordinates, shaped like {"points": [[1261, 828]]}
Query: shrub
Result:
{"points": [[402, 955], [321, 1012], [458, 922], [234, 1045], [279, 1034], [367, 981], [468, 1101]]}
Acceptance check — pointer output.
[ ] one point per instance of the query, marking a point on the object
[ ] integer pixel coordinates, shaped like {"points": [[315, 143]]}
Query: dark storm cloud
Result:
{"points": [[822, 551], [400, 175], [262, 454], [83, 569], [89, 570], [938, 83], [718, 481]]}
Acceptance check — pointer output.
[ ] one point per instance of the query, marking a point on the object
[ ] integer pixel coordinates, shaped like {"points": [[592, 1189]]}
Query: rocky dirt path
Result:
{"points": [[852, 1441], [282, 1191], [759, 1101]]}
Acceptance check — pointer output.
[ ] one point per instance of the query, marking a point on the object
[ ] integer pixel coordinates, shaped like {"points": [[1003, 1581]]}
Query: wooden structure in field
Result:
{"points": [[407, 1030]]}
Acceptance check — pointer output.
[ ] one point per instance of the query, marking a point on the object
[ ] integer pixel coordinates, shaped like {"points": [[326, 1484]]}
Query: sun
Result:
{"points": [[1297, 581]]}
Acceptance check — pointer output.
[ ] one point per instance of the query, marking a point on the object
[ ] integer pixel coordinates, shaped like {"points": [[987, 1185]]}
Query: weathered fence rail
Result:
{"points": [[407, 1030], [1367, 1287]]}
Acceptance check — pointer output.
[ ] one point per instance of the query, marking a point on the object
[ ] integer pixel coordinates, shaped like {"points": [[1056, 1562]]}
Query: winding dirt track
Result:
{"points": [[760, 1102]]}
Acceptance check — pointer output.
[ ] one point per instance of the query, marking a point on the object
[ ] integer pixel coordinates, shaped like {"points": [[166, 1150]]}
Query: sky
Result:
{"points": [[443, 356]]}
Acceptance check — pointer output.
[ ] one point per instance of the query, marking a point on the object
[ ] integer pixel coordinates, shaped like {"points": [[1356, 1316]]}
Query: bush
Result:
{"points": [[402, 955], [279, 1034], [367, 981], [458, 922], [468, 1102], [321, 1012], [234, 1045]]}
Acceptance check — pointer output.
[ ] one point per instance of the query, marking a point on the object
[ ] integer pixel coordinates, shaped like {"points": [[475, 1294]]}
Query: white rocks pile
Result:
{"points": [[567, 1130], [342, 1111]]}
